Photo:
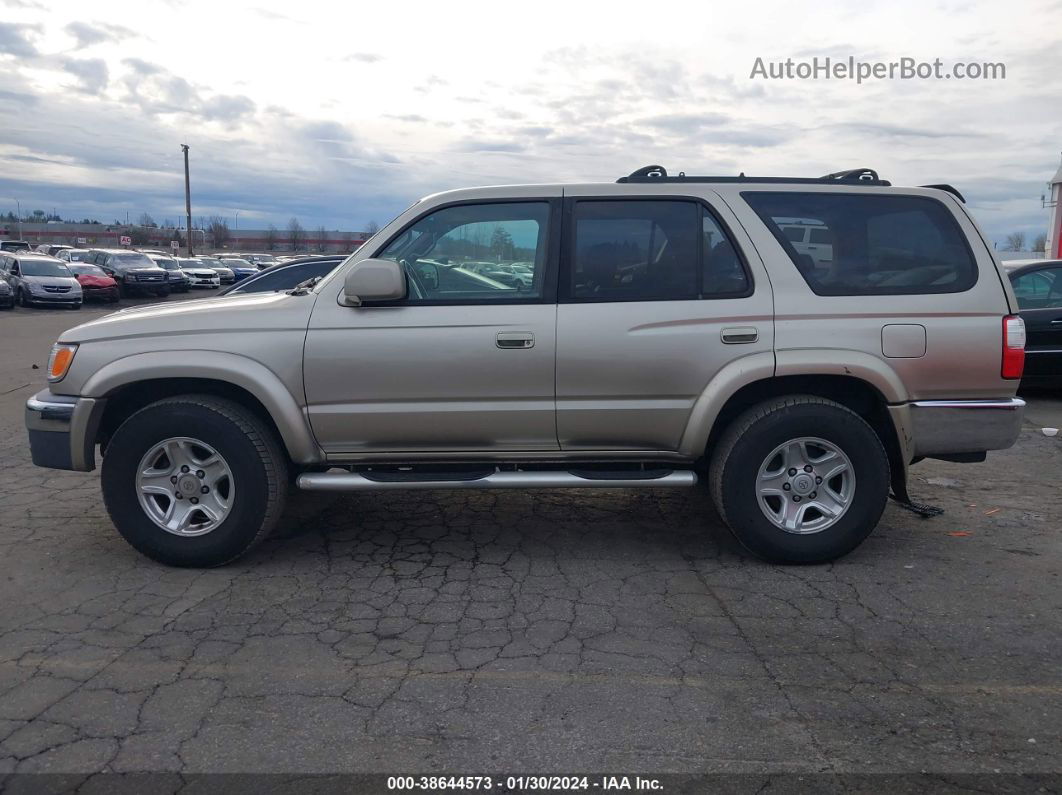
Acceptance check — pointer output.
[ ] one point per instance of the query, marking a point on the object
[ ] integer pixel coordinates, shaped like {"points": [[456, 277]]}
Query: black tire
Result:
{"points": [[735, 465], [23, 301], [75, 306], [255, 458]]}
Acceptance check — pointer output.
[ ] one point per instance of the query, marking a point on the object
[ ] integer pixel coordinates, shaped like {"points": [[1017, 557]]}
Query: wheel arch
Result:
{"points": [[856, 394], [130, 383]]}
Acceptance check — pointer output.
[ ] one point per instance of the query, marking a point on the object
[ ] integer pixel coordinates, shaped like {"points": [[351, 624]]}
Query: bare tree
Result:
{"points": [[218, 228], [347, 244], [1039, 243], [271, 238], [1015, 241], [146, 220], [372, 228], [322, 239], [296, 234]]}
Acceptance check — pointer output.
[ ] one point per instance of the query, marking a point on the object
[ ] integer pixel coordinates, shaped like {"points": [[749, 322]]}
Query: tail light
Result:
{"points": [[1013, 347]]}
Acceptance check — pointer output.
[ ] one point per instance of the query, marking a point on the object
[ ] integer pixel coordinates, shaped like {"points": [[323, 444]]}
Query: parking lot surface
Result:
{"points": [[469, 632]]}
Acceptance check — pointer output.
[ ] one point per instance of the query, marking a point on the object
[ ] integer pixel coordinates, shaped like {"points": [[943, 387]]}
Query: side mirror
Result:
{"points": [[374, 280]]}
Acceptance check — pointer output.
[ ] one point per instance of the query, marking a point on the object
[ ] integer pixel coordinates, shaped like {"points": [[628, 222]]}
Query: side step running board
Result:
{"points": [[357, 481]]}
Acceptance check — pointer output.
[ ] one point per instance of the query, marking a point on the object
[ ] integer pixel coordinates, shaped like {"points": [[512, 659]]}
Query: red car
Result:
{"points": [[94, 282]]}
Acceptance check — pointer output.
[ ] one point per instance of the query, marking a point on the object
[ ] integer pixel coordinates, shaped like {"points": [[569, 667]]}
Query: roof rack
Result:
{"points": [[855, 176]]}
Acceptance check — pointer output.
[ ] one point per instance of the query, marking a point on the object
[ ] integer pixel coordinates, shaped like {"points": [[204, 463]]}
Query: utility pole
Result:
{"points": [[187, 197], [19, 208]]}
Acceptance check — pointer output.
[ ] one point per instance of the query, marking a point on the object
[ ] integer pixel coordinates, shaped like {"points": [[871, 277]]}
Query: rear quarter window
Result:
{"points": [[870, 244]]}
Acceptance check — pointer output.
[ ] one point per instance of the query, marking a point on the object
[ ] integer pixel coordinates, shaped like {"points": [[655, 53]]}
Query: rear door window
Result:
{"points": [[650, 250], [870, 244]]}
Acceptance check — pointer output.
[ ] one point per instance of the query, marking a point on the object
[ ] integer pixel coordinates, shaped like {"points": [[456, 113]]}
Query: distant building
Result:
{"points": [[109, 235]]}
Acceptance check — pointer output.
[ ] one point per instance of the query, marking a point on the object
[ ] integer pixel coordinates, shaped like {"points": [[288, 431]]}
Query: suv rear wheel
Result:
{"points": [[194, 480], [800, 479]]}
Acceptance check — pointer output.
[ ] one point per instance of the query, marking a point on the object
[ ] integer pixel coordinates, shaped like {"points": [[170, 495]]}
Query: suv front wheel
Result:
{"points": [[194, 480], [800, 479]]}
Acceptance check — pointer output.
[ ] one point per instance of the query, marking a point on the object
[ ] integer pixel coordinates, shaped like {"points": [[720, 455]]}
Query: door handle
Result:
{"points": [[1057, 321], [515, 339], [739, 334]]}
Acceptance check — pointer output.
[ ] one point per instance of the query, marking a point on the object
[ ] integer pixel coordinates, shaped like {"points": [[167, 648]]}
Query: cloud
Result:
{"points": [[157, 91], [87, 34], [91, 73], [686, 123], [472, 145], [901, 131], [363, 57], [407, 117], [15, 39], [226, 107]]}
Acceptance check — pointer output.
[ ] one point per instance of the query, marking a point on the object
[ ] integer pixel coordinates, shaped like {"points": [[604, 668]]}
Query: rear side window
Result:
{"points": [[870, 244], [656, 250]]}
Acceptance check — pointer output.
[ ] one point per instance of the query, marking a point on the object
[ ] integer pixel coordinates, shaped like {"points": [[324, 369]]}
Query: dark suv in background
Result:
{"points": [[132, 270]]}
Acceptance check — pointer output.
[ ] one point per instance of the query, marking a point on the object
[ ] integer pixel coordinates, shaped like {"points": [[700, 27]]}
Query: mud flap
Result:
{"points": [[903, 499]]}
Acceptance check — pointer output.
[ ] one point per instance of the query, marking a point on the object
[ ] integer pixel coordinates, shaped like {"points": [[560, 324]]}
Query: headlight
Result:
{"points": [[35, 288], [60, 360]]}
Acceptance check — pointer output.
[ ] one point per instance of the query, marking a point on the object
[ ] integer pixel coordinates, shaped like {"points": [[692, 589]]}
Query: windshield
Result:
{"points": [[76, 255], [166, 263], [133, 259], [43, 267], [85, 269]]}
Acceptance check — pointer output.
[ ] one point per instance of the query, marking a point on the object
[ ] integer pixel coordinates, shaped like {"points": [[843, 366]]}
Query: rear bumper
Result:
{"points": [[949, 427], [62, 430]]}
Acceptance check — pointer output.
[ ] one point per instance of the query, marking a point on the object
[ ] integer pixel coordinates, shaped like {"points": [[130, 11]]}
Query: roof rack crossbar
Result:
{"points": [[856, 176]]}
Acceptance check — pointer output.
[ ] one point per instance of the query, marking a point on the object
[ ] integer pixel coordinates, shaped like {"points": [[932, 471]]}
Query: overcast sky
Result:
{"points": [[344, 113]]}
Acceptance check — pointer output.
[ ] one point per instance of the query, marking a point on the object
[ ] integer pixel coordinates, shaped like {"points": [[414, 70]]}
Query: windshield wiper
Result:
{"points": [[304, 287]]}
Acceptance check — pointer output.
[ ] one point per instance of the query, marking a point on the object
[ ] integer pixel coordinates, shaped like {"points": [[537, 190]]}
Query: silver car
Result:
{"points": [[668, 333], [40, 280]]}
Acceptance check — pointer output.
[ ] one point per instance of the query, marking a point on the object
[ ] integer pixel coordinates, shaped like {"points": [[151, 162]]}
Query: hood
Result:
{"points": [[61, 281], [229, 314], [90, 280]]}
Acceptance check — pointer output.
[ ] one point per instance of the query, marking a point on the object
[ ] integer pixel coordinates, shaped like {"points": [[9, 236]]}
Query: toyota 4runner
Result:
{"points": [[664, 330]]}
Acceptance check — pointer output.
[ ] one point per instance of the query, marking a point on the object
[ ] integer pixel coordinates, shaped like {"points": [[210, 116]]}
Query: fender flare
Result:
{"points": [[257, 379], [732, 377], [765, 365]]}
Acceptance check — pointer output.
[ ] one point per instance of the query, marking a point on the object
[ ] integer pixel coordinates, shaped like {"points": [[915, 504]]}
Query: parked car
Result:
{"points": [[133, 271], [176, 278], [95, 283], [643, 355], [7, 295], [37, 279], [75, 254], [261, 261], [14, 245], [1037, 285], [285, 275], [200, 275], [230, 270], [51, 249]]}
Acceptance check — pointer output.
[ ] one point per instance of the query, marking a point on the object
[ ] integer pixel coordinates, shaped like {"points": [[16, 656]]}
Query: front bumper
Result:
{"points": [[54, 298], [101, 293], [62, 430], [951, 427]]}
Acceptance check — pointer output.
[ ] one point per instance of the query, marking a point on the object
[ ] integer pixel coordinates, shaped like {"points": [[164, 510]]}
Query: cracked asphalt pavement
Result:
{"points": [[469, 632]]}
